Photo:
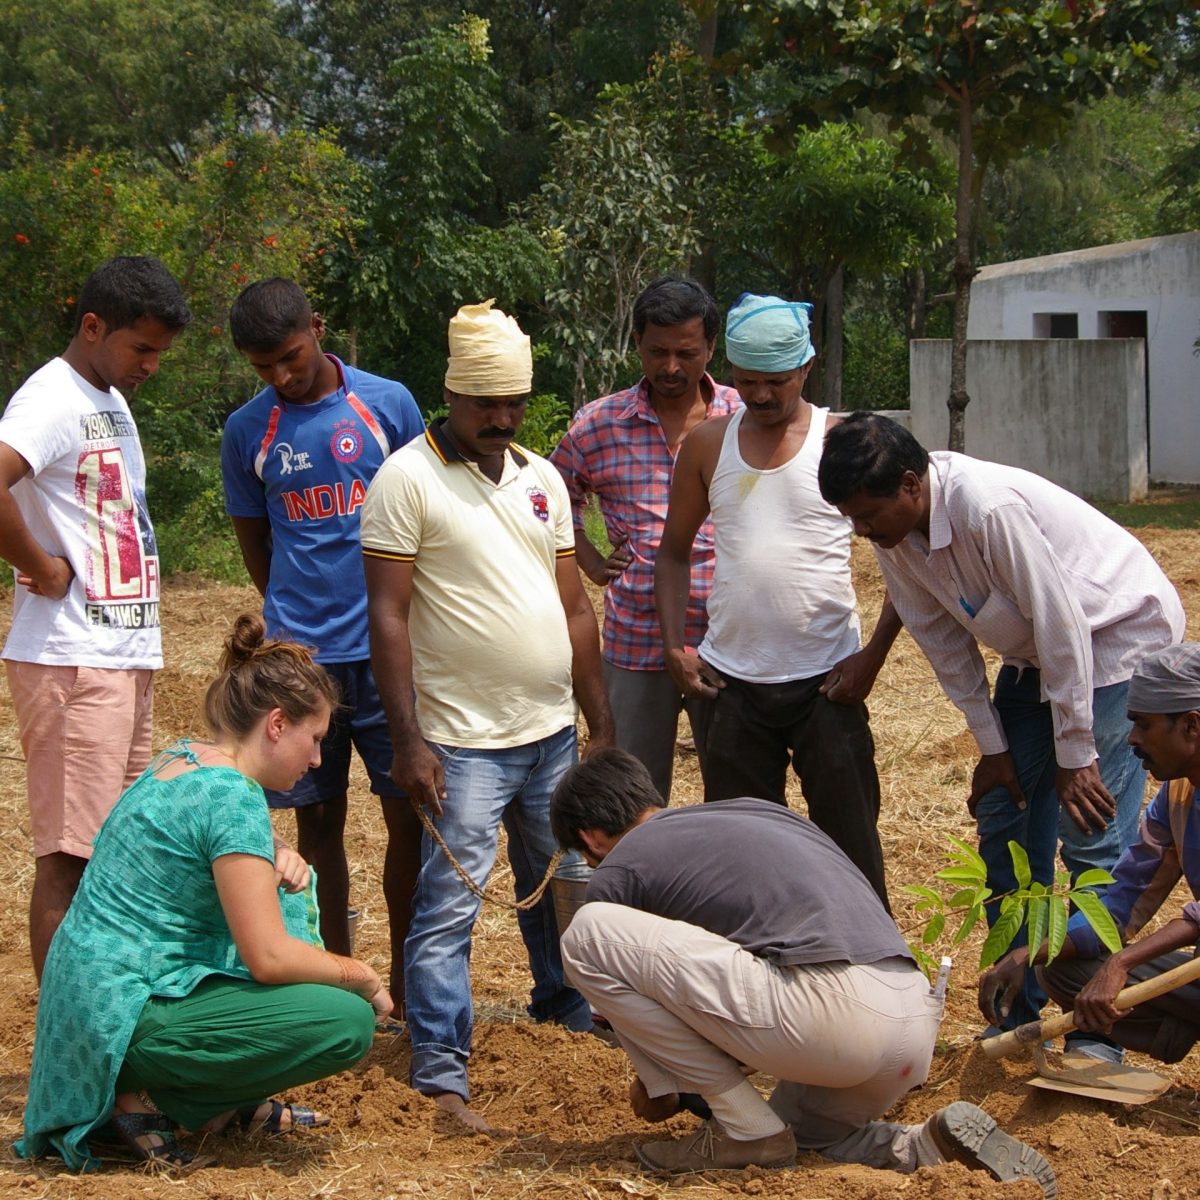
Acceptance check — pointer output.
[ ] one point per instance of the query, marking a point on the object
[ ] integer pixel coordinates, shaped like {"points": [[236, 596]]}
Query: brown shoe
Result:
{"points": [[712, 1149], [965, 1133]]}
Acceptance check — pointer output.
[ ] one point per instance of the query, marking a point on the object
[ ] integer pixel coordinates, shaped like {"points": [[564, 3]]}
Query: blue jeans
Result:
{"points": [[1044, 823], [483, 789]]}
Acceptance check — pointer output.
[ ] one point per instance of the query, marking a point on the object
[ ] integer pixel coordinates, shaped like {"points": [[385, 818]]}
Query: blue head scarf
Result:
{"points": [[765, 333]]}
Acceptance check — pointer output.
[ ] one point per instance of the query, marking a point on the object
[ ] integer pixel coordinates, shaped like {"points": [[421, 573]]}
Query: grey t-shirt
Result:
{"points": [[756, 873]]}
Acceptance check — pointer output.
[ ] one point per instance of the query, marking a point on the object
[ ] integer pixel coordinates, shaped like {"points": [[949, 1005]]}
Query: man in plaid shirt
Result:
{"points": [[621, 449]]}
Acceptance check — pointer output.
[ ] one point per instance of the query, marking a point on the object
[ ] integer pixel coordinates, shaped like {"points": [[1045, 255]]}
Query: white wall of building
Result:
{"points": [[1157, 276], [1095, 447]]}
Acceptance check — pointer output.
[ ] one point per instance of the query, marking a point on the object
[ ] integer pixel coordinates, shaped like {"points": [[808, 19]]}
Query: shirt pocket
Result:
{"points": [[1000, 624], [725, 981]]}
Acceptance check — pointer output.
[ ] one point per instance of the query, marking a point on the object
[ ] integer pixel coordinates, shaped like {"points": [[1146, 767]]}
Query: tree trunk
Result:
{"points": [[914, 282], [831, 384], [814, 385], [963, 274], [704, 265], [706, 43], [581, 396], [352, 346]]}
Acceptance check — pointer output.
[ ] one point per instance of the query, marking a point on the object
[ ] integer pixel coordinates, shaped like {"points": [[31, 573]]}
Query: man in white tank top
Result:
{"points": [[780, 670]]}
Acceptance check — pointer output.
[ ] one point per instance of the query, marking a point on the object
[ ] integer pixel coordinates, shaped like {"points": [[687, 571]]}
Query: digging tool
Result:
{"points": [[1099, 1080]]}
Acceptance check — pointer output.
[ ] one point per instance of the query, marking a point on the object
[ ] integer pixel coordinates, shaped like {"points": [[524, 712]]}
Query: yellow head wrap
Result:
{"points": [[489, 355]]}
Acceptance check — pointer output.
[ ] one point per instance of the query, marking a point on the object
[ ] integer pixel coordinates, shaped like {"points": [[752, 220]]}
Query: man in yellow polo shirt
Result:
{"points": [[482, 642]]}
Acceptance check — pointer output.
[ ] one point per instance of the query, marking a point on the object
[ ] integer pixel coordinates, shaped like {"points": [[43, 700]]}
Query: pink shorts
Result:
{"points": [[86, 736]]}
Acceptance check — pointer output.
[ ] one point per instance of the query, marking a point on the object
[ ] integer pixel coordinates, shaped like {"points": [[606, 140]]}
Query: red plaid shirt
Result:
{"points": [[615, 450]]}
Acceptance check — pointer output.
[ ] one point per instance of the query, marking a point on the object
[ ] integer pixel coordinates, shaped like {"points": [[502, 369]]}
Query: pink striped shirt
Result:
{"points": [[616, 451]]}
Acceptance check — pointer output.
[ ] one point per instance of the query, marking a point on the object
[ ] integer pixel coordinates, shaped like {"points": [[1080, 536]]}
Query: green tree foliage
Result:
{"points": [[557, 58], [995, 78], [152, 77], [424, 245], [1107, 178], [613, 215], [252, 204], [786, 215], [876, 370], [834, 200]]}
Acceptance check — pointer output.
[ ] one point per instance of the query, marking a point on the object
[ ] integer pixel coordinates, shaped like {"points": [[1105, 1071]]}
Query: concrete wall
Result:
{"points": [[1072, 411], [1156, 276]]}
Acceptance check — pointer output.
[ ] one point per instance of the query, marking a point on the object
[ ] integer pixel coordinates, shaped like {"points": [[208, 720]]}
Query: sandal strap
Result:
{"points": [[301, 1117], [248, 1120], [132, 1126]]}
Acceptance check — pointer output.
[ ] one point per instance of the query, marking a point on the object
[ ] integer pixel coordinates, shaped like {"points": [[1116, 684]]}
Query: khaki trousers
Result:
{"points": [[845, 1042]]}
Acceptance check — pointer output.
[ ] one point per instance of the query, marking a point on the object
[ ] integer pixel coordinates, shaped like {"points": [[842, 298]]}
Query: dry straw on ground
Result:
{"points": [[562, 1097]]}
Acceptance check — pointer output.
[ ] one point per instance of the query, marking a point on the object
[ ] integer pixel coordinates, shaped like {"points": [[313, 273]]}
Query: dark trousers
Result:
{"points": [[1165, 1028], [751, 731]]}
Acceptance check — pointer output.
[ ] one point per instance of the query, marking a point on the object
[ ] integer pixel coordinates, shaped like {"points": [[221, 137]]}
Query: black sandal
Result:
{"points": [[247, 1120], [133, 1127]]}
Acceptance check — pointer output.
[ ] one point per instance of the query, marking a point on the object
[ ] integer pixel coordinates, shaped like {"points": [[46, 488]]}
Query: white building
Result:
{"points": [[1148, 289]]}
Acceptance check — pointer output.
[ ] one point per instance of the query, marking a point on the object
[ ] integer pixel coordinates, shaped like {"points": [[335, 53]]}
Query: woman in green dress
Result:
{"points": [[187, 969]]}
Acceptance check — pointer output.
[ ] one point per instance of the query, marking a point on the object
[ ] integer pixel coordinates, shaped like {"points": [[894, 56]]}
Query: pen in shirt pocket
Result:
{"points": [[966, 608]]}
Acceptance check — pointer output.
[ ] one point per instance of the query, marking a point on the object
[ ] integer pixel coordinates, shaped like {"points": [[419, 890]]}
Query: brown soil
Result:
{"points": [[560, 1097]]}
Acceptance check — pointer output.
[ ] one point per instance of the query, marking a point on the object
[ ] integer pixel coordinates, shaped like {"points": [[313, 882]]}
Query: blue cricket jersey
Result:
{"points": [[305, 467]]}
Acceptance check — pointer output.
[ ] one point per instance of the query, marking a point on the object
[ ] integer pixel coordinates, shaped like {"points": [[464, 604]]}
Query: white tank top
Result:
{"points": [[782, 604]]}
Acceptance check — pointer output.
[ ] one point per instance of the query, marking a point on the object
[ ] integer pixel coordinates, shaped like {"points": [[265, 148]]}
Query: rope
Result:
{"points": [[517, 905]]}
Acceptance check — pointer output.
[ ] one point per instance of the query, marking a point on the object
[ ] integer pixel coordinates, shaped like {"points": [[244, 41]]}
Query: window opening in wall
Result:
{"points": [[1055, 325]]}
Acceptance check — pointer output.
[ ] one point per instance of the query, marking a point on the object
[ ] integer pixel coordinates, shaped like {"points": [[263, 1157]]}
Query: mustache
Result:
{"points": [[493, 432]]}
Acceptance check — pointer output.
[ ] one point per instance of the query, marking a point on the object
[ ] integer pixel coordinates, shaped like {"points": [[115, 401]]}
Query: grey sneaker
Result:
{"points": [[712, 1149], [965, 1133]]}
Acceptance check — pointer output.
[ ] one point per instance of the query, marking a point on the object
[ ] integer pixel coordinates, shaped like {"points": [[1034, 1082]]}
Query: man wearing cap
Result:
{"points": [[780, 668], [1164, 706], [621, 449], [975, 552], [482, 642]]}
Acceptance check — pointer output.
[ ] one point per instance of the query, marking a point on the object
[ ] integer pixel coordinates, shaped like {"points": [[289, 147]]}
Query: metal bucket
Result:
{"points": [[568, 899], [352, 926]]}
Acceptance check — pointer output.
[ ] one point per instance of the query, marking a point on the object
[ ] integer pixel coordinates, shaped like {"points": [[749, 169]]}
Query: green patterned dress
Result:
{"points": [[146, 921]]}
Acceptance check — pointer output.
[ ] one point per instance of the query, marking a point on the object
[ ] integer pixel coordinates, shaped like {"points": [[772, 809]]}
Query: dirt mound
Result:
{"points": [[561, 1098]]}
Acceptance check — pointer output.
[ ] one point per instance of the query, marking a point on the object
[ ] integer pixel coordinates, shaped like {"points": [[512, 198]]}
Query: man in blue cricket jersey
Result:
{"points": [[296, 461]]}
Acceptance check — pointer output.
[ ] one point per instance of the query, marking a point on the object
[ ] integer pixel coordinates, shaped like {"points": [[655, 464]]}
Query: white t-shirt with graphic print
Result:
{"points": [[84, 499]]}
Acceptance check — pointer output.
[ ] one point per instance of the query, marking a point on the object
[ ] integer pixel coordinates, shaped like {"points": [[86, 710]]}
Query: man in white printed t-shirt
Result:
{"points": [[85, 634]]}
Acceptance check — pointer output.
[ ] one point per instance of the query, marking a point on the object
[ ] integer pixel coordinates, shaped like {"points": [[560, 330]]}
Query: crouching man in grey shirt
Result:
{"points": [[736, 937]]}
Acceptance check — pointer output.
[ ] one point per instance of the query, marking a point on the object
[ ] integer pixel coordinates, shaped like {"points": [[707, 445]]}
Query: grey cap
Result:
{"points": [[1167, 681]]}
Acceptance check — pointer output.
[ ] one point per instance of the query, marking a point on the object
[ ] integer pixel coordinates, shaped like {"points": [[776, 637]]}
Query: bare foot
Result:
{"points": [[454, 1105]]}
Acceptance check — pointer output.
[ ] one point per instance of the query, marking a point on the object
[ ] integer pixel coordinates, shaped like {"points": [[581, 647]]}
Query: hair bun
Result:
{"points": [[246, 640]]}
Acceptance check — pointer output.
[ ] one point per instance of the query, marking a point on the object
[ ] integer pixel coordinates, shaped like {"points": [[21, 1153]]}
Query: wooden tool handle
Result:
{"points": [[1037, 1032]]}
